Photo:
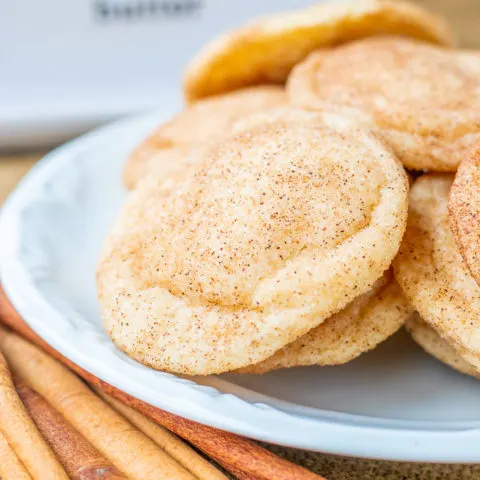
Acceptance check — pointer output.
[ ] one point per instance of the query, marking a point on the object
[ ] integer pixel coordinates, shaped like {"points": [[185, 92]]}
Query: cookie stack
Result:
{"points": [[264, 220]]}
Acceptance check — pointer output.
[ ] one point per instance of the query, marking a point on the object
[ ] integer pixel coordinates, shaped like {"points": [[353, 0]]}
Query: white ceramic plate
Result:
{"points": [[393, 403]]}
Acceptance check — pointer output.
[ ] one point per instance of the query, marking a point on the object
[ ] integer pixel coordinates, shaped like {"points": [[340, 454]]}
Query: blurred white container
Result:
{"points": [[66, 66]]}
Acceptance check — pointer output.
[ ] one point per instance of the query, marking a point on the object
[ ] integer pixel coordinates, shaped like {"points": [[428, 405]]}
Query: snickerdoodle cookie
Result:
{"points": [[464, 208], [171, 146], [265, 50], [426, 99], [367, 321], [435, 345], [279, 227], [431, 271]]}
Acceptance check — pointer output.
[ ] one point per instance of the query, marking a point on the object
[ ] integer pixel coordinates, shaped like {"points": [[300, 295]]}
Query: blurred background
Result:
{"points": [[67, 66]]}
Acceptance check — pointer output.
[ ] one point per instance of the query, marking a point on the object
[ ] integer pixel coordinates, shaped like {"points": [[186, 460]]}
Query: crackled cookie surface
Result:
{"points": [[425, 98], [280, 226], [431, 271], [361, 326], [265, 50], [435, 345], [171, 147]]}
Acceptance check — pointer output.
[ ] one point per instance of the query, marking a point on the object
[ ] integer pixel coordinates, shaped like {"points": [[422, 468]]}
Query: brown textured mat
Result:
{"points": [[343, 468]]}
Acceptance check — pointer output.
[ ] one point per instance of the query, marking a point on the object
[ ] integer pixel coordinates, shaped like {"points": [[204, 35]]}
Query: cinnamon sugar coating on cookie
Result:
{"points": [[265, 50], [364, 323], [207, 120], [426, 99], [431, 271], [464, 208], [279, 227]]}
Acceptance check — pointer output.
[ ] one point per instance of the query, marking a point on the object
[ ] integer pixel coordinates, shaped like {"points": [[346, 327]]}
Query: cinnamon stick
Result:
{"points": [[10, 465], [244, 458], [79, 458], [118, 440], [22, 434], [177, 448]]}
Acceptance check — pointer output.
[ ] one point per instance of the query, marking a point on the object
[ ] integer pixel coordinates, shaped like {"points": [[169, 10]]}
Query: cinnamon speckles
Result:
{"points": [[431, 272], [271, 193], [359, 327], [425, 98], [464, 209], [278, 227], [173, 147], [264, 51]]}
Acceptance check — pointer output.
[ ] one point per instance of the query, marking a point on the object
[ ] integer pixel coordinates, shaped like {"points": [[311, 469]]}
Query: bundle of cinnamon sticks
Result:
{"points": [[53, 425]]}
